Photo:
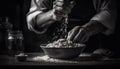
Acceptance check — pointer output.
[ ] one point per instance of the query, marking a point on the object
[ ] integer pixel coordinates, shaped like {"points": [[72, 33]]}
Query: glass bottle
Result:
{"points": [[19, 42], [11, 43]]}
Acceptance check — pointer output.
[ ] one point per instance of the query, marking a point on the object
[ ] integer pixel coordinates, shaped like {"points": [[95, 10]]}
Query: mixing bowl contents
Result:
{"points": [[63, 43]]}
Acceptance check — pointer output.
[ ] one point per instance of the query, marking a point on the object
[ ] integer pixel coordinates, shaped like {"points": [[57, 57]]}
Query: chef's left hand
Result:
{"points": [[81, 34]]}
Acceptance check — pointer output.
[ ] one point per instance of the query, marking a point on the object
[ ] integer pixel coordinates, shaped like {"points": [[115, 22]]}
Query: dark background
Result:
{"points": [[16, 10]]}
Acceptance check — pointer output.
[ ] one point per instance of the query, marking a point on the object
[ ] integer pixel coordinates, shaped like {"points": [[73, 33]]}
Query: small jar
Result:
{"points": [[11, 43], [15, 42]]}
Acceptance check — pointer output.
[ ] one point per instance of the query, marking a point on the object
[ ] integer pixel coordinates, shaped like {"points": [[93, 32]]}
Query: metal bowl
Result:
{"points": [[63, 53]]}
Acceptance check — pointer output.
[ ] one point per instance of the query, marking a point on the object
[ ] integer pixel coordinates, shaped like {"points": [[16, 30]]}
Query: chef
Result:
{"points": [[86, 19]]}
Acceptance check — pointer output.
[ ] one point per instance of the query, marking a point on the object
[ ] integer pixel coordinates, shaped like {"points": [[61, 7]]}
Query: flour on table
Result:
{"points": [[48, 59]]}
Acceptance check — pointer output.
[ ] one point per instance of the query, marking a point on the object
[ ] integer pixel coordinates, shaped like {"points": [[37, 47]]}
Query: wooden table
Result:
{"points": [[82, 61]]}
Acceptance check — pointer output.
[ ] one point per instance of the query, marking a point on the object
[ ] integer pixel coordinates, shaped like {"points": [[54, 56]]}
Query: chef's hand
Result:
{"points": [[78, 35], [81, 34], [61, 8]]}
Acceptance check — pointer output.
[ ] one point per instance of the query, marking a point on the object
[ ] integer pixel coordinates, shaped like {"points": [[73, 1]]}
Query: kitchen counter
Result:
{"points": [[39, 59]]}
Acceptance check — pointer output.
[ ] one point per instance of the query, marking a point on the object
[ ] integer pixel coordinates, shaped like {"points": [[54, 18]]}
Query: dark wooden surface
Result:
{"points": [[6, 60]]}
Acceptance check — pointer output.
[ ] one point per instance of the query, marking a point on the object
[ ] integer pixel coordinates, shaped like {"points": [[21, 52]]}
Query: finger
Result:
{"points": [[73, 33], [59, 3], [82, 36], [84, 39], [58, 8], [54, 4], [59, 14], [79, 35], [72, 4]]}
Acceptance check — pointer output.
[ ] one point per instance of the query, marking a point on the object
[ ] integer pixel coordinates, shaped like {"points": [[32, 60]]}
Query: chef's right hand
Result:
{"points": [[78, 35], [61, 8]]}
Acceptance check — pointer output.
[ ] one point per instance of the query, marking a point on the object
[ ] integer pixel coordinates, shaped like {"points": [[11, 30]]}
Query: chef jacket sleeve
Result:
{"points": [[37, 7], [106, 14]]}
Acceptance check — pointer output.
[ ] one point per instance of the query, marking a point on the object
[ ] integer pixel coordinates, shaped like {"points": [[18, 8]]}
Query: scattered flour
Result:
{"points": [[48, 59]]}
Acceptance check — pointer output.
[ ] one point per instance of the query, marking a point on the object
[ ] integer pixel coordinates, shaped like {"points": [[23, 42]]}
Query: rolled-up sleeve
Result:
{"points": [[106, 14], [37, 7]]}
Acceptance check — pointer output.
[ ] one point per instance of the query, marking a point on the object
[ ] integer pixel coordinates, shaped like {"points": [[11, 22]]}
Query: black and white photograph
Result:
{"points": [[60, 33]]}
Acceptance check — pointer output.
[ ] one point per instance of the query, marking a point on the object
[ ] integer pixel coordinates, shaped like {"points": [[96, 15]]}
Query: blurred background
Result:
{"points": [[16, 10]]}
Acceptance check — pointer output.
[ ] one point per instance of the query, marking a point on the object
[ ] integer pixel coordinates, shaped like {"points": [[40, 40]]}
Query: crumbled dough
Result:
{"points": [[63, 43]]}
